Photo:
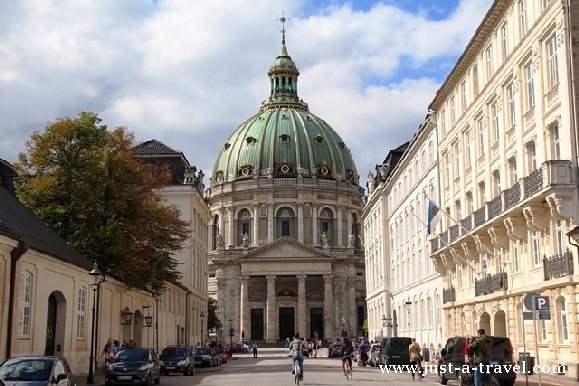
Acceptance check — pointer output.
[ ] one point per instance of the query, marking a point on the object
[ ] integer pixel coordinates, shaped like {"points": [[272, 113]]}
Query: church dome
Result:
{"points": [[284, 139]]}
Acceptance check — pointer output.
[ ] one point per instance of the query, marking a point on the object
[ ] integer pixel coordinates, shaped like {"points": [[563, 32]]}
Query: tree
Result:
{"points": [[84, 182], [365, 327], [213, 322]]}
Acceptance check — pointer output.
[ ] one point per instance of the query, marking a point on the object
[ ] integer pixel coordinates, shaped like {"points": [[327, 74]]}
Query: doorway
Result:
{"points": [[286, 322], [316, 323], [51, 326], [257, 324]]}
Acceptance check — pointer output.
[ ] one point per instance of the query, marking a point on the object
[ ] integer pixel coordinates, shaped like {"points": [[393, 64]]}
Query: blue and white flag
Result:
{"points": [[435, 214]]}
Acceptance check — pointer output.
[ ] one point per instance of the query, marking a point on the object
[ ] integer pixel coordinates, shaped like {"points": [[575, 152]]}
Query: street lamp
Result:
{"points": [[386, 322], [408, 305], [98, 277], [343, 325], [202, 315], [231, 337], [148, 318], [128, 315]]}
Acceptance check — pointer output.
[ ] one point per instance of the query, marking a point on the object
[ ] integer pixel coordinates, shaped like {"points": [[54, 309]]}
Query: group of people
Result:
{"points": [[112, 348]]}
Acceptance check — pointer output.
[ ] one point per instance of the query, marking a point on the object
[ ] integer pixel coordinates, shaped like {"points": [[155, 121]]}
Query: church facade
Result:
{"points": [[286, 205]]}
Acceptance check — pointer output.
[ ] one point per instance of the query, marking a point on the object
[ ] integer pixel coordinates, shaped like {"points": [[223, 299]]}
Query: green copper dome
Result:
{"points": [[284, 139]]}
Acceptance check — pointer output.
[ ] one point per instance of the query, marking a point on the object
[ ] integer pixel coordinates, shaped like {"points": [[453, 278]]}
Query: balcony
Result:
{"points": [[495, 206], [490, 284], [479, 217], [448, 295], [558, 266], [454, 232], [533, 182]]}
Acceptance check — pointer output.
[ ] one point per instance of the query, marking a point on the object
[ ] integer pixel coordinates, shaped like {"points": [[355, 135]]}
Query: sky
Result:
{"points": [[189, 72]]}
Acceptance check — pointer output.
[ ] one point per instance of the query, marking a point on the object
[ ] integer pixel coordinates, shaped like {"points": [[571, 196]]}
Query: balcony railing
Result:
{"points": [[495, 206], [454, 232], [448, 295], [490, 284], [558, 266], [433, 244], [512, 195], [533, 182], [479, 216], [466, 223]]}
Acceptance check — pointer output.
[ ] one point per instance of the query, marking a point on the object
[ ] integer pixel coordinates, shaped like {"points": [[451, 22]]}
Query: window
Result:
{"points": [[505, 40], [556, 142], [531, 157], [458, 209], [530, 86], [481, 136], [523, 17], [511, 96], [475, 80], [544, 330], [513, 171], [469, 203], [81, 313], [536, 248], [463, 96], [430, 152], [448, 169], [559, 238], [546, 3], [430, 313], [443, 123], [482, 194], [496, 183], [563, 320], [516, 262], [457, 155], [496, 117], [24, 305], [459, 277], [452, 111], [489, 55], [468, 139], [553, 62]]}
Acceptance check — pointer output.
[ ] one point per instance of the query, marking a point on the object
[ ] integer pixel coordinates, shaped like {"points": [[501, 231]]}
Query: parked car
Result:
{"points": [[37, 371], [206, 357], [335, 350], [236, 348], [223, 354], [395, 351], [456, 352], [2, 383], [134, 365], [374, 355], [244, 345], [177, 359]]}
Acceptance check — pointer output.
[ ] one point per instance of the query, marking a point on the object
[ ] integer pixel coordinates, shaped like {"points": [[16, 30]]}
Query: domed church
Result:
{"points": [[286, 205]]}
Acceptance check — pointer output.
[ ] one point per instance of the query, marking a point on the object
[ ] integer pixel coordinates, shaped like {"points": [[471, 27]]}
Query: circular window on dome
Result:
{"points": [[285, 168], [245, 171], [325, 171]]}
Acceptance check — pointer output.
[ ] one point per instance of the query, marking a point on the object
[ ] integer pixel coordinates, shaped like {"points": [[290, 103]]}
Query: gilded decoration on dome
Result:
{"points": [[285, 168], [245, 170]]}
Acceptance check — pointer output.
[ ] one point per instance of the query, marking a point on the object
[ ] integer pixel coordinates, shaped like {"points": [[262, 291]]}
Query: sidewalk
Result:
{"points": [[99, 378], [546, 380]]}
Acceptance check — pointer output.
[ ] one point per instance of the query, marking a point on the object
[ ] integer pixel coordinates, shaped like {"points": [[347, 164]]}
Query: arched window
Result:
{"points": [[244, 220], [430, 313], [81, 314], [285, 220], [24, 300], [520, 322], [462, 324], [326, 222], [215, 231], [564, 325], [355, 229]]}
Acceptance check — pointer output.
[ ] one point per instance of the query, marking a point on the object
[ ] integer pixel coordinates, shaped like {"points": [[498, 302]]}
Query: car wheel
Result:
{"points": [[442, 379]]}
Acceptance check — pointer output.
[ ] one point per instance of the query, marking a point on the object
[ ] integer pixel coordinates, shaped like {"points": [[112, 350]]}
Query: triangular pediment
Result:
{"points": [[285, 248]]}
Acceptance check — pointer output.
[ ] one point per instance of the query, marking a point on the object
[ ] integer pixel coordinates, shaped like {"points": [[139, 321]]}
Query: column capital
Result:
{"points": [[270, 279], [301, 278], [244, 278]]}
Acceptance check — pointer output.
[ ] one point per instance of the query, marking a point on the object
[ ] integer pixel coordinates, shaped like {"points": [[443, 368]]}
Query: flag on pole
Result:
{"points": [[435, 214]]}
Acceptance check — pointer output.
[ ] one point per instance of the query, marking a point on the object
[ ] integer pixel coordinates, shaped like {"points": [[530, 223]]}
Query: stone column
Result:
{"points": [[244, 306], [302, 305], [315, 225], [339, 232], [271, 310], [270, 223], [352, 306], [231, 241], [255, 236], [221, 221], [221, 297], [349, 225], [328, 307], [301, 222]]}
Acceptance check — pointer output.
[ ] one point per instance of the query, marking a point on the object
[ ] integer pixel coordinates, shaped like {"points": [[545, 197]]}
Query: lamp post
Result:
{"points": [[343, 325], [202, 316], [386, 322], [408, 305], [231, 337], [98, 277]]}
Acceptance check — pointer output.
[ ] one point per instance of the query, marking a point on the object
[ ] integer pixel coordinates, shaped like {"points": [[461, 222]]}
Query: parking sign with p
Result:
{"points": [[542, 307]]}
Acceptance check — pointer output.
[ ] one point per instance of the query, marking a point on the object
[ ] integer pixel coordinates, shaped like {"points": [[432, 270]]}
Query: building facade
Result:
{"points": [[286, 207], [508, 157]]}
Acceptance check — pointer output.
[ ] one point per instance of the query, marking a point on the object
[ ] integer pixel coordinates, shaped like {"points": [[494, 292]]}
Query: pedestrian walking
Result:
{"points": [[254, 350]]}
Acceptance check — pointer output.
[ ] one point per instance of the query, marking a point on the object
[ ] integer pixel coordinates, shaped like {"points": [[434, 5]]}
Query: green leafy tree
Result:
{"points": [[213, 322], [365, 327], [84, 182]]}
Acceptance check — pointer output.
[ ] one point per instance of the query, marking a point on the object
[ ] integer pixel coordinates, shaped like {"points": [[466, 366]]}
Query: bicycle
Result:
{"points": [[347, 368], [468, 379], [297, 372]]}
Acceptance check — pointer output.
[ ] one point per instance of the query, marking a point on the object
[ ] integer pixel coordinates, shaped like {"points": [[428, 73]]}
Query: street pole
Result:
{"points": [[90, 377]]}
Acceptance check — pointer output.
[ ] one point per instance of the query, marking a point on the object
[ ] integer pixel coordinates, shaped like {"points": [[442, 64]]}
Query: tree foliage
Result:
{"points": [[213, 321], [84, 182]]}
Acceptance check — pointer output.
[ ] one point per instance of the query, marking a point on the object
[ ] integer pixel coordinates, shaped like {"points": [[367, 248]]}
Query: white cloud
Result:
{"points": [[189, 72]]}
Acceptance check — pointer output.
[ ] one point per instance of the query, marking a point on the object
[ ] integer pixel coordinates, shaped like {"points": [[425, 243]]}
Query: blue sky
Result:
{"points": [[188, 73]]}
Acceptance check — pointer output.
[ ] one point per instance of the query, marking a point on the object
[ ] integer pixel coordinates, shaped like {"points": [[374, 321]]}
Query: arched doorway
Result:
{"points": [[485, 322], [500, 326], [55, 324], [138, 328]]}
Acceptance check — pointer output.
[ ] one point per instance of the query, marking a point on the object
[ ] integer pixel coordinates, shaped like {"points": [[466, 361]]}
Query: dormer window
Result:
{"points": [[226, 146], [319, 140], [251, 141], [284, 138], [342, 145]]}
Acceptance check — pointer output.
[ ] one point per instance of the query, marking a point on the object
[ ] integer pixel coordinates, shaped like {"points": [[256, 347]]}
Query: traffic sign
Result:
{"points": [[528, 300], [542, 307]]}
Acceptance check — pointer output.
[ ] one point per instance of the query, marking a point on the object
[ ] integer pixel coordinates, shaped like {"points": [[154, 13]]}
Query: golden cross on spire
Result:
{"points": [[283, 20]]}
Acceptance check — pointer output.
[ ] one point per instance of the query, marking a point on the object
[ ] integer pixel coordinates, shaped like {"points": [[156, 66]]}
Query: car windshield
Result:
{"points": [[26, 369], [140, 355], [174, 352], [202, 351]]}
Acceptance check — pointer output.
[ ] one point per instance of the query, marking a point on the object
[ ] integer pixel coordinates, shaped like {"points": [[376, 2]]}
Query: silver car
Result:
{"points": [[375, 355]]}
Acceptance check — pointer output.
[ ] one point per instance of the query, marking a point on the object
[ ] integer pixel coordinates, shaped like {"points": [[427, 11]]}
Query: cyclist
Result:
{"points": [[481, 356], [415, 357], [296, 349], [347, 352]]}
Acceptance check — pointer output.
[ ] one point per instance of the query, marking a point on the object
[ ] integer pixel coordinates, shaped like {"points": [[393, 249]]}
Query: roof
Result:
{"points": [[18, 222], [7, 176], [158, 153]]}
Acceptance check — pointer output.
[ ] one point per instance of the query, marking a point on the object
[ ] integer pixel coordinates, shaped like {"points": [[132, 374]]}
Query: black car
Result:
{"points": [[177, 359], [456, 354], [37, 371], [134, 365], [206, 357], [335, 350]]}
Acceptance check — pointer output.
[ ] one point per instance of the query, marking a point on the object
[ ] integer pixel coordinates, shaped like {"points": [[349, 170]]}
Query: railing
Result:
{"points": [[479, 217], [454, 232], [533, 182], [558, 266], [448, 295], [490, 284], [512, 195], [433, 244], [284, 181], [466, 223], [495, 206]]}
